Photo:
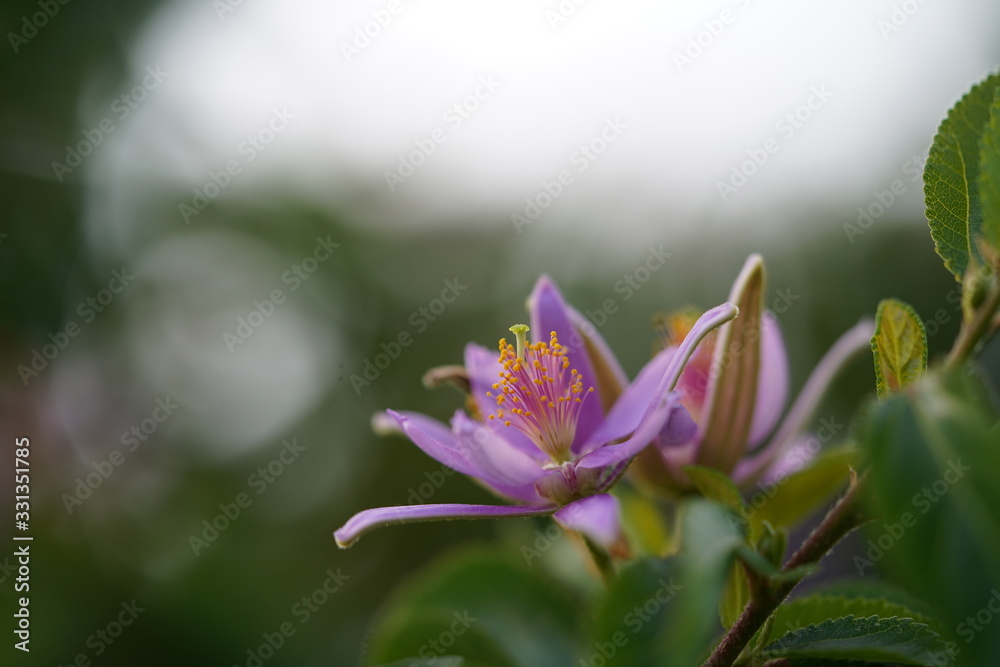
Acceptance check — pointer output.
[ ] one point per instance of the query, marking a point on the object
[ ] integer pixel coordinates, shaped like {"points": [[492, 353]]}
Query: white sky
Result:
{"points": [[686, 129]]}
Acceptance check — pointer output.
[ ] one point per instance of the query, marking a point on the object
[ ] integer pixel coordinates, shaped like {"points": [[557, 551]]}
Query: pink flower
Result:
{"points": [[554, 423], [735, 388]]}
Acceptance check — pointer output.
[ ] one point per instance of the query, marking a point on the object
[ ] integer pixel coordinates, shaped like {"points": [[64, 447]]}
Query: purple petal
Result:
{"points": [[797, 457], [679, 430], [608, 372], [483, 368], [502, 467], [368, 520], [435, 439], [475, 450], [628, 411], [549, 312], [772, 381], [709, 320], [652, 422], [597, 517], [664, 400], [850, 343]]}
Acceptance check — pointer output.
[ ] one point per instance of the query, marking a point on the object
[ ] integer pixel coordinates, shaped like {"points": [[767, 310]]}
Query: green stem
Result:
{"points": [[602, 560], [844, 517], [974, 330]]}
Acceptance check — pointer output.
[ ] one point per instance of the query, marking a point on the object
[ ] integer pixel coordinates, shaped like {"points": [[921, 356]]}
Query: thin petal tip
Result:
{"points": [[384, 423], [344, 540]]}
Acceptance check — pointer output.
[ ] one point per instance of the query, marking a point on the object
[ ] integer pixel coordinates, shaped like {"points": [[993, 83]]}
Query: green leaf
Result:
{"points": [[629, 618], [898, 640], [666, 612], [880, 589], [505, 615], [643, 522], [711, 539], [443, 661], [716, 486], [729, 407], [814, 609], [989, 177], [802, 493], [735, 596], [934, 461], [899, 346], [951, 177]]}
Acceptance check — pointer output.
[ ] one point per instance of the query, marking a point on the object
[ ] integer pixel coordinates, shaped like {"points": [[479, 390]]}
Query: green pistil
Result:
{"points": [[521, 331]]}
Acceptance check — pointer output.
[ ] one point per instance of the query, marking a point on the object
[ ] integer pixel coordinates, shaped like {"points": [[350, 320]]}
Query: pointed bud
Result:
{"points": [[732, 391], [454, 375]]}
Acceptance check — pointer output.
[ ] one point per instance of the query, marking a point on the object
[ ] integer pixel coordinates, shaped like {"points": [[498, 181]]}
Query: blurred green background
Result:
{"points": [[163, 336]]}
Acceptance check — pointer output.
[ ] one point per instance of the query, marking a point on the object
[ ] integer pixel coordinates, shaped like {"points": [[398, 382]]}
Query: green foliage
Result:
{"points": [[989, 177], [814, 609], [520, 619], [898, 640], [716, 486], [444, 661], [639, 604], [711, 540], [933, 470], [735, 595], [899, 346], [802, 493], [788, 500], [645, 525], [951, 177]]}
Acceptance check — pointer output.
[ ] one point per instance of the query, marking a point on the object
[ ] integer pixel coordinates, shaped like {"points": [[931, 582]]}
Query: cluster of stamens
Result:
{"points": [[538, 393]]}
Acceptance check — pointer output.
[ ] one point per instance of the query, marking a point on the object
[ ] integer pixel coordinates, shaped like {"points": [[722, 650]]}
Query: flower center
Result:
{"points": [[538, 393]]}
